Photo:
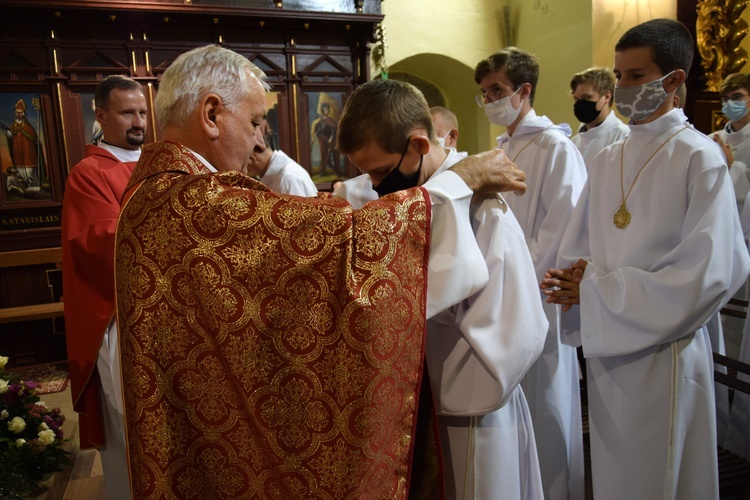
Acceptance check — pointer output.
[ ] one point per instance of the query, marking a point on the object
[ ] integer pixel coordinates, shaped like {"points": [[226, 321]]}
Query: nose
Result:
{"points": [[139, 121]]}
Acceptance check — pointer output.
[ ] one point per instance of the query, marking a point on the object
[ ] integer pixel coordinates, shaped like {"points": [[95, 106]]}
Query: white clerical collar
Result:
{"points": [[204, 161], [122, 154], [736, 137], [668, 120], [599, 130]]}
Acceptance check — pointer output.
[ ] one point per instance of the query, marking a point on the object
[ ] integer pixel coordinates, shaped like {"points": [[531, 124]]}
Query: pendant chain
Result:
{"points": [[622, 217], [529, 143]]}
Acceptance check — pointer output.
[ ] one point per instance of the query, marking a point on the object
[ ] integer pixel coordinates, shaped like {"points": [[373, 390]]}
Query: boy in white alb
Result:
{"points": [[555, 175], [477, 349], [592, 90], [655, 250], [734, 138]]}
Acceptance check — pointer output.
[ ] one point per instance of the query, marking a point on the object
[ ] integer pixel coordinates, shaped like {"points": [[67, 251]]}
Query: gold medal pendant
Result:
{"points": [[622, 217]]}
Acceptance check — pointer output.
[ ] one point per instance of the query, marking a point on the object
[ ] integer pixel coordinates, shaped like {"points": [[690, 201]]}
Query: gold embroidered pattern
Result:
{"points": [[213, 477], [271, 346], [251, 359], [295, 414], [370, 229], [300, 314], [375, 424], [166, 440], [255, 258], [310, 225], [163, 334], [159, 239], [134, 278], [208, 391], [381, 323], [217, 301], [343, 373], [336, 466], [247, 445]]}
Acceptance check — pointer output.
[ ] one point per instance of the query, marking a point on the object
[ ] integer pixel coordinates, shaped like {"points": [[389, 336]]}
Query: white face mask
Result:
{"points": [[502, 112], [638, 102], [441, 140]]}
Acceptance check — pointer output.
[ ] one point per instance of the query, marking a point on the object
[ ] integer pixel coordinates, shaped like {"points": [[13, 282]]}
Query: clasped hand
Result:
{"points": [[561, 286]]}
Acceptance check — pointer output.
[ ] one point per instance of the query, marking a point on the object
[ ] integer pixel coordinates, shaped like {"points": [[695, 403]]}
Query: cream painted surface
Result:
{"points": [[612, 18], [559, 33], [442, 41]]}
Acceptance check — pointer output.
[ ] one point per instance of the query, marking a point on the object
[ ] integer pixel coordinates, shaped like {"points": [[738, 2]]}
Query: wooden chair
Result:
{"points": [[734, 471]]}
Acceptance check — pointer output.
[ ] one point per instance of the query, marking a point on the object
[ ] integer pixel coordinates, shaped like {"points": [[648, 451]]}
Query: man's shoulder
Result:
{"points": [[93, 151], [292, 168], [97, 158]]}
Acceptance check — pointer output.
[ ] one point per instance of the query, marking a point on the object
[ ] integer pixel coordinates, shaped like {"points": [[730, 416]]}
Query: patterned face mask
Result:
{"points": [[638, 102]]}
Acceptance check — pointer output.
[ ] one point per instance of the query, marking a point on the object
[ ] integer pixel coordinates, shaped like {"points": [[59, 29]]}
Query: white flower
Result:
{"points": [[3, 386], [3, 361], [16, 425], [20, 442], [4, 414], [47, 436], [42, 427]]}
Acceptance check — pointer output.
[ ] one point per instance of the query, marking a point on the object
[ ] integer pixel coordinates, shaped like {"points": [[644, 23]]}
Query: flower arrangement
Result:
{"points": [[31, 437]]}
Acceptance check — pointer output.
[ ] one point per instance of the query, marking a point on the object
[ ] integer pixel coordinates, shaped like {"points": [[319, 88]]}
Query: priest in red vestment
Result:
{"points": [[91, 206]]}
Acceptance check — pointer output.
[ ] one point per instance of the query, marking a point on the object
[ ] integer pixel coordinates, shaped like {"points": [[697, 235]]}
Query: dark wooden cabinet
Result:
{"points": [[52, 54]]}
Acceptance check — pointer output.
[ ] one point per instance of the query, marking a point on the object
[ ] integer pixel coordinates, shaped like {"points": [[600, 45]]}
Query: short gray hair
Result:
{"points": [[204, 70]]}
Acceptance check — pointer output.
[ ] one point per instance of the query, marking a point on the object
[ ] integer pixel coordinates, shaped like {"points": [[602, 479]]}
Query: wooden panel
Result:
{"points": [[31, 257], [31, 313]]}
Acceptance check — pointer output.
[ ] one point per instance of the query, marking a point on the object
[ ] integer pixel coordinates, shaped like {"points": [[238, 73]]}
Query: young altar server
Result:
{"points": [[478, 350], [556, 174], [656, 249]]}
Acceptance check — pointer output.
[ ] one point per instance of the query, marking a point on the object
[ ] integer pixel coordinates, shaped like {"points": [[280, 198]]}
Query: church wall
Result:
{"points": [[566, 35]]}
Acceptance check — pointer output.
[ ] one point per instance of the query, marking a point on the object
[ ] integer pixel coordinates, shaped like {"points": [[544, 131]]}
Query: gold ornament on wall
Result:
{"points": [[378, 51], [719, 31]]}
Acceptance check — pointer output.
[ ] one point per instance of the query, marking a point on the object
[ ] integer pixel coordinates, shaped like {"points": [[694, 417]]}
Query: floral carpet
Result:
{"points": [[50, 377]]}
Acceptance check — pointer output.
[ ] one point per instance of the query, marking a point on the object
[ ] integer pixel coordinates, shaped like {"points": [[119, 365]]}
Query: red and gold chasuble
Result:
{"points": [[272, 346]]}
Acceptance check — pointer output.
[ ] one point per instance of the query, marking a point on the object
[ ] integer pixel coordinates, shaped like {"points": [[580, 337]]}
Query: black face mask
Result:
{"points": [[586, 111], [396, 181]]}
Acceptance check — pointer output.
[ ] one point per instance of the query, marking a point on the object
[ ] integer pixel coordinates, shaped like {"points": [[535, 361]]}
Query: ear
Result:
{"points": [[421, 142], [454, 135], [525, 92], [209, 110], [99, 112], [674, 81]]}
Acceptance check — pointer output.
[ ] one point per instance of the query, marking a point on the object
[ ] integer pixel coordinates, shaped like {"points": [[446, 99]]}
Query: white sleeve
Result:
{"points": [[456, 268], [503, 327], [740, 175], [566, 176]]}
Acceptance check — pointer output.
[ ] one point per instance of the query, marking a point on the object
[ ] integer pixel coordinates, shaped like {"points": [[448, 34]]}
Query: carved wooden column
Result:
{"points": [[719, 31]]}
